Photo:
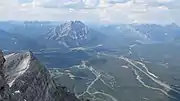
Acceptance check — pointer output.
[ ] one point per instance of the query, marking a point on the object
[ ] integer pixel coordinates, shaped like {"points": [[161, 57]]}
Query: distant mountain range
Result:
{"points": [[143, 32], [28, 28], [71, 34], [15, 42]]}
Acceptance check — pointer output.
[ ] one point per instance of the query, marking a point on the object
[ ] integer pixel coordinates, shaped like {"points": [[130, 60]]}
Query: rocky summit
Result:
{"points": [[72, 34], [23, 78], [75, 31]]}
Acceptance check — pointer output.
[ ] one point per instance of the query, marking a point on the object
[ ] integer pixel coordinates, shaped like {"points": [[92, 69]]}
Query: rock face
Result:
{"points": [[73, 34], [4, 89], [28, 80]]}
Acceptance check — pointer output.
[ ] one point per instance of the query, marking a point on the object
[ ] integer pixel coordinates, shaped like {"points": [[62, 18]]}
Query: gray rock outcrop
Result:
{"points": [[4, 88], [24, 78]]}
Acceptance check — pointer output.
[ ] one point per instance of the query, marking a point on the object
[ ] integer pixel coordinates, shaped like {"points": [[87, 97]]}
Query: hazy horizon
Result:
{"points": [[86, 22], [98, 11]]}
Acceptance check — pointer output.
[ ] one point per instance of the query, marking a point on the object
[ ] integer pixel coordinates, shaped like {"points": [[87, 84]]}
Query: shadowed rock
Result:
{"points": [[4, 89]]}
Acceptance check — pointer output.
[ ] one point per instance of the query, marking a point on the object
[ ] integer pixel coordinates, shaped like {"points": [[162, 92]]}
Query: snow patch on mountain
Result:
{"points": [[21, 67], [70, 34]]}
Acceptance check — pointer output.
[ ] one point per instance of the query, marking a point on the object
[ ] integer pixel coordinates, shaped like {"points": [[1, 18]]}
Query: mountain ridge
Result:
{"points": [[17, 42], [72, 34]]}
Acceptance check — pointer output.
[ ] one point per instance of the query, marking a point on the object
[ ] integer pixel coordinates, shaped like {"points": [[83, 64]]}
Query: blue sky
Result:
{"points": [[98, 11]]}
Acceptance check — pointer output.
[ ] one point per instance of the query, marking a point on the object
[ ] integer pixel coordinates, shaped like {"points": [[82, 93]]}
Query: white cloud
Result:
{"points": [[164, 1], [109, 11]]}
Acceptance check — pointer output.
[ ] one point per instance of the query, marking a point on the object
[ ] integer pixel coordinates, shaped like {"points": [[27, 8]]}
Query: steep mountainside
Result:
{"points": [[72, 34], [28, 80], [13, 42]]}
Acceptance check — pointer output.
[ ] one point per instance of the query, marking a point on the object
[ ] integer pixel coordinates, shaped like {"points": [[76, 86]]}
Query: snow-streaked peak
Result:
{"points": [[71, 33], [74, 29]]}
